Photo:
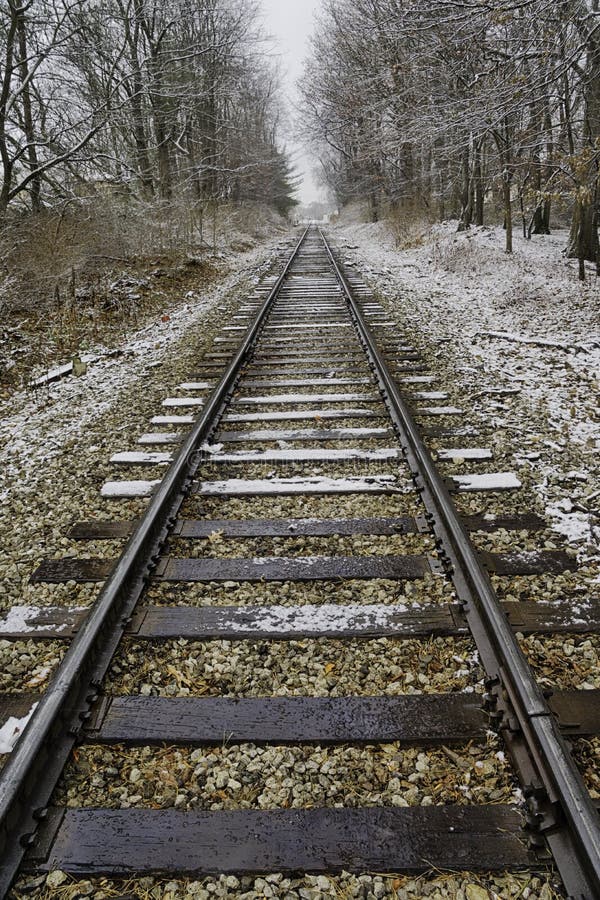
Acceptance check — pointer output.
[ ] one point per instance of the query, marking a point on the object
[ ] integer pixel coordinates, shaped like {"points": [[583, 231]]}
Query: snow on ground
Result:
{"points": [[56, 443], [519, 322], [35, 425]]}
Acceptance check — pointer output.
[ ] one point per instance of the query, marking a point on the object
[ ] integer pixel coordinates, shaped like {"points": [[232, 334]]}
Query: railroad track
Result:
{"points": [[313, 400]]}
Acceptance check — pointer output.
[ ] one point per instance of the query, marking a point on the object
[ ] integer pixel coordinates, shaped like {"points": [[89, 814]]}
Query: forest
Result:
{"points": [[156, 100], [461, 108], [161, 114]]}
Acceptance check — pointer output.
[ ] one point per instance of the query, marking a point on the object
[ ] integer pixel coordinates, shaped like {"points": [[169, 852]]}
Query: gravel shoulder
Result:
{"points": [[515, 341]]}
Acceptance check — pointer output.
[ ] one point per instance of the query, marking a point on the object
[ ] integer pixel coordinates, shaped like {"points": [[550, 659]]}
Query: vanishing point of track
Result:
{"points": [[315, 329]]}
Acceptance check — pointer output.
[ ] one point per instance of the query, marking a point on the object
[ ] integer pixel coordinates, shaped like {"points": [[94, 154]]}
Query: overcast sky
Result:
{"points": [[290, 22]]}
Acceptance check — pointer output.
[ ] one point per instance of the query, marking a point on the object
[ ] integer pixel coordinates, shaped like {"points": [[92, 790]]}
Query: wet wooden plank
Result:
{"points": [[302, 434], [16, 705], [516, 522], [23, 622], [89, 842], [438, 411], [292, 623], [426, 719], [534, 562], [114, 490], [249, 528], [315, 343], [472, 454], [284, 359], [571, 616], [290, 399], [102, 531], [578, 712], [305, 568], [309, 326], [285, 622], [295, 415], [316, 484], [268, 371], [490, 481], [161, 437], [302, 382], [209, 370], [435, 431], [81, 571], [296, 454], [407, 370]]}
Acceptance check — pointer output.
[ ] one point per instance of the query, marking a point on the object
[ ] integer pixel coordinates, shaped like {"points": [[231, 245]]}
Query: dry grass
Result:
{"points": [[86, 273]]}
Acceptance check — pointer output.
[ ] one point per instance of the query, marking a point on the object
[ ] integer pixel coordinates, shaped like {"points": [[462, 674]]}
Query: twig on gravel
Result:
{"points": [[540, 342]]}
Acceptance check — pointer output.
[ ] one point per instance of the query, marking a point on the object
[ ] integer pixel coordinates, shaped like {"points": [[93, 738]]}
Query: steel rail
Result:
{"points": [[561, 807], [35, 765]]}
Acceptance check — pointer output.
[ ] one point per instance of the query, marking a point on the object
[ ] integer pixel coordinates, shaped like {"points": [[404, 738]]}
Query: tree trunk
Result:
{"points": [[442, 200], [373, 206], [541, 218], [546, 207], [159, 104], [144, 165], [583, 238], [408, 169], [161, 131], [507, 212], [133, 36], [6, 75], [35, 189], [478, 180], [466, 213]]}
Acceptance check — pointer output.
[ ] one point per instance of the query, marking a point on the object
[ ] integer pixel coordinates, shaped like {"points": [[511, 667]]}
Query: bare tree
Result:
{"points": [[447, 105], [144, 94]]}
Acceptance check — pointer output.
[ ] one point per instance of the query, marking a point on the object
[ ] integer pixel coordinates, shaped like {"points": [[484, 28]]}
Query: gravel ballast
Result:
{"points": [[249, 776]]}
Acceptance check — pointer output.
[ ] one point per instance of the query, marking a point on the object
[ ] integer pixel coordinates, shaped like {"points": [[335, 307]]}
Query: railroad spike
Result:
{"points": [[496, 717], [27, 840], [536, 841]]}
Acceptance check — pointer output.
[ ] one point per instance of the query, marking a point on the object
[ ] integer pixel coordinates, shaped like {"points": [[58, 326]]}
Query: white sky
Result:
{"points": [[290, 22]]}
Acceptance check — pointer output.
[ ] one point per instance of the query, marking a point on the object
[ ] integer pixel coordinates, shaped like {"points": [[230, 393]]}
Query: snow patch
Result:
{"points": [[296, 485], [306, 398], [574, 525], [134, 457], [495, 481], [183, 401], [117, 489], [476, 453], [12, 730]]}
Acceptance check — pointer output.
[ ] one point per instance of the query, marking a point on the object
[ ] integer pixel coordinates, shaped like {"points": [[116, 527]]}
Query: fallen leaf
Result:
{"points": [[79, 367], [476, 892]]}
